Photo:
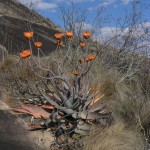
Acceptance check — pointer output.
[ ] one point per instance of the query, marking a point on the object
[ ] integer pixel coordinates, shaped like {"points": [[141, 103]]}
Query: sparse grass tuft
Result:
{"points": [[8, 62]]}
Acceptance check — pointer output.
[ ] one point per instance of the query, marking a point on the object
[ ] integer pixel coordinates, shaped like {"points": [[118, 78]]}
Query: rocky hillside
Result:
{"points": [[15, 18]]}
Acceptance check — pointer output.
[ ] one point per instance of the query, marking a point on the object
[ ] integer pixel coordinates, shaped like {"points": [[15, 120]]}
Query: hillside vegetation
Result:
{"points": [[90, 96]]}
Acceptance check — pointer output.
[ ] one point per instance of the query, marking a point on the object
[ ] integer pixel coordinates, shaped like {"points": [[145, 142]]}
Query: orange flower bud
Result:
{"points": [[90, 57], [82, 44], [75, 72], [38, 44], [28, 34], [81, 61], [69, 34], [86, 34], [58, 36], [25, 54]]}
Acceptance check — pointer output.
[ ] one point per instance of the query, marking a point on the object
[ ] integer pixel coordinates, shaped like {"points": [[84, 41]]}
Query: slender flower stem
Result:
{"points": [[30, 46], [39, 56]]}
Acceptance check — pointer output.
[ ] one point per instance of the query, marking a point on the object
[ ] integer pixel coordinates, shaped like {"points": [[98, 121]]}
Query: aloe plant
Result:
{"points": [[71, 97]]}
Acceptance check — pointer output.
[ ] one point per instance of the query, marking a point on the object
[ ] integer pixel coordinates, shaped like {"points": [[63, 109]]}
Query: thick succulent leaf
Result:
{"points": [[33, 110], [98, 106], [48, 122], [33, 127], [82, 125], [49, 100], [67, 103], [89, 115], [81, 132]]}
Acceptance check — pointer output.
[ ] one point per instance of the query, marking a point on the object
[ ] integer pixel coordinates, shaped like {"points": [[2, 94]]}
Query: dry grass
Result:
{"points": [[130, 111], [130, 104], [115, 137], [8, 62], [16, 76]]}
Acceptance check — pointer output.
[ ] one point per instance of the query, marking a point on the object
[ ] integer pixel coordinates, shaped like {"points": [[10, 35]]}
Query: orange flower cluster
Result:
{"points": [[25, 54], [38, 44], [58, 36], [82, 44], [86, 34], [69, 34], [90, 57], [28, 34]]}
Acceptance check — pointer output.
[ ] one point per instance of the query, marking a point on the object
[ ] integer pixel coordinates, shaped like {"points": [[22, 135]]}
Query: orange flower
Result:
{"points": [[28, 34], [90, 57], [59, 43], [86, 34], [75, 72], [82, 44], [69, 34], [58, 36], [38, 44], [25, 54], [81, 61]]}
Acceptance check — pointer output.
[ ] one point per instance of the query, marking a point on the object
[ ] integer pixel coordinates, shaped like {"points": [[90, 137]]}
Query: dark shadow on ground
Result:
{"points": [[12, 135]]}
